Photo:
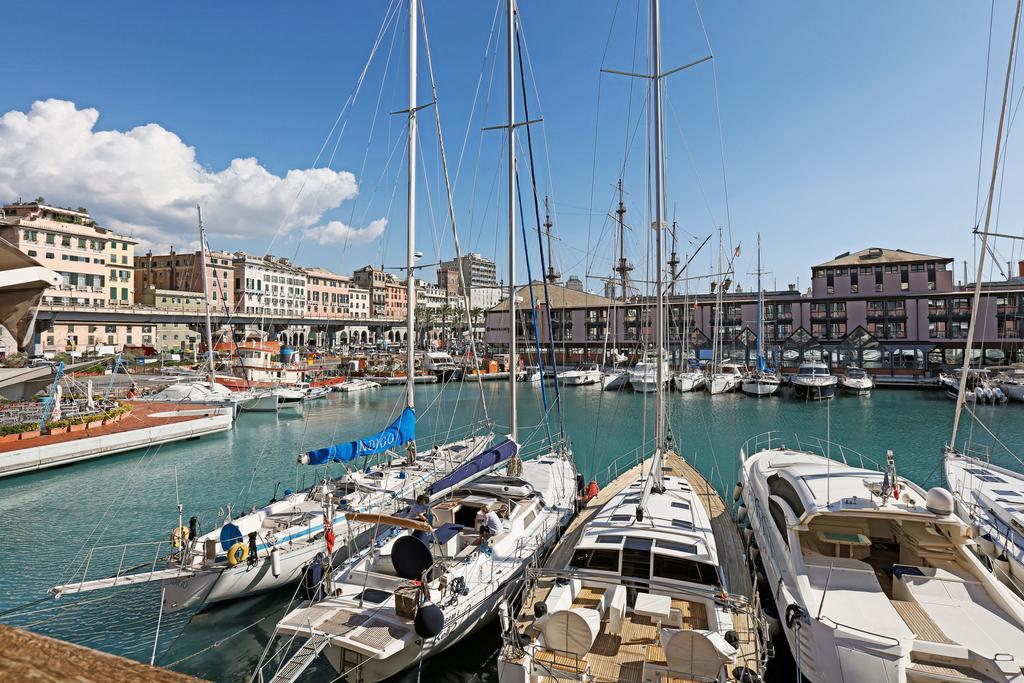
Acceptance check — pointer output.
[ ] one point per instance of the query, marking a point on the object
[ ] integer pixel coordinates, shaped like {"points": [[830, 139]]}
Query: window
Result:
{"points": [[778, 486], [50, 238], [49, 254], [31, 252], [682, 569], [917, 267], [65, 241], [110, 329], [81, 243], [601, 560], [636, 558], [892, 270]]}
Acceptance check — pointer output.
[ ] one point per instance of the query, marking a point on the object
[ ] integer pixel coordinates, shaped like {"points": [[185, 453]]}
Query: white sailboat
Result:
{"points": [[423, 589], [990, 496], [647, 377], [634, 591], [582, 376], [763, 381]]}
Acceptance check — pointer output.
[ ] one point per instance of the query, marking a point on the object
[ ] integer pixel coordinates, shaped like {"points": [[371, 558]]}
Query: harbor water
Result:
{"points": [[50, 519]]}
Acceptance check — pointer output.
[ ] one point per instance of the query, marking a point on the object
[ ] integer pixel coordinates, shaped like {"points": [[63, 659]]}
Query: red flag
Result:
{"points": [[329, 535], [737, 250], [695, 305]]}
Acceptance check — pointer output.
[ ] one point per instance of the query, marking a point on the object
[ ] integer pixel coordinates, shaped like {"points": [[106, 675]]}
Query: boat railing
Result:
{"points": [[104, 566], [622, 464], [832, 623], [809, 444]]}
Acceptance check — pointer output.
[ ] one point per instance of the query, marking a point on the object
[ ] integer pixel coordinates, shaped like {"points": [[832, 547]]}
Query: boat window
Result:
{"points": [[688, 548], [636, 558], [681, 569], [778, 486], [590, 558], [682, 524], [1003, 492], [779, 517], [683, 506], [621, 518], [609, 539], [372, 595]]}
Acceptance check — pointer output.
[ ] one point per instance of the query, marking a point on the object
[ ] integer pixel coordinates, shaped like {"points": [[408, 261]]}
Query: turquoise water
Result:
{"points": [[50, 517]]}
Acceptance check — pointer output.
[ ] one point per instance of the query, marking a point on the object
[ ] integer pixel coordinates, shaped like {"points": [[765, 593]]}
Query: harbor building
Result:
{"points": [[327, 294], [89, 259], [472, 274], [181, 272], [269, 285], [891, 311], [387, 295]]}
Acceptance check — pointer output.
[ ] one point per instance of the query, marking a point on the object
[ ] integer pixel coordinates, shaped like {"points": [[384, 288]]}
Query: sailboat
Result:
{"points": [[635, 589], [761, 382], [210, 391], [724, 377], [421, 588], [992, 497], [336, 518]]}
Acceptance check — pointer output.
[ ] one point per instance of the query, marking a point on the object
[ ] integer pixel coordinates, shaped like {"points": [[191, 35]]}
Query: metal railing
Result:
{"points": [[808, 444]]}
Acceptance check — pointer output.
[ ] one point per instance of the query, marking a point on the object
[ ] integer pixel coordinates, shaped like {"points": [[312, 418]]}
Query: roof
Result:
{"points": [[561, 297], [879, 255]]}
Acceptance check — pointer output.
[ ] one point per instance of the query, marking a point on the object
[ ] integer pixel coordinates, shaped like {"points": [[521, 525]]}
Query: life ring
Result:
{"points": [[238, 553], [179, 536]]}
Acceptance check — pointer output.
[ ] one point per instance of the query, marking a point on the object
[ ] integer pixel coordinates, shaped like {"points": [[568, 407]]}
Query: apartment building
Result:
{"points": [[327, 294], [387, 293], [181, 272], [358, 302], [90, 259], [892, 311], [269, 285], [471, 274], [430, 296]]}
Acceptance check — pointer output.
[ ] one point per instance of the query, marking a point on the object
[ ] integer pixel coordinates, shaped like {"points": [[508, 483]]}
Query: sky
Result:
{"points": [[825, 127]]}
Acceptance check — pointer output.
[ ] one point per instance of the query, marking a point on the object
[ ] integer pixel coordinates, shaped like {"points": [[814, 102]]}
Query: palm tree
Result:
{"points": [[447, 310], [475, 317], [425, 317]]}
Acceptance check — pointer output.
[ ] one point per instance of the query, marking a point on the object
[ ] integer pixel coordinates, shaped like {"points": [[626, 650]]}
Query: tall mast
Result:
{"points": [[984, 235], [513, 417], [410, 281], [623, 267], [760, 308], [206, 295], [659, 309], [673, 262]]}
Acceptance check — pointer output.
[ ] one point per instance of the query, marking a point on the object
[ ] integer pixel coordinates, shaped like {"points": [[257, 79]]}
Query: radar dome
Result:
{"points": [[939, 501]]}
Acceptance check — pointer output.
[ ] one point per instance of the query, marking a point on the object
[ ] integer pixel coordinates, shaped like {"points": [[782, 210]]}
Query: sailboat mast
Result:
{"points": [[513, 417], [760, 307], [410, 255], [623, 269], [206, 295], [659, 307], [984, 235]]}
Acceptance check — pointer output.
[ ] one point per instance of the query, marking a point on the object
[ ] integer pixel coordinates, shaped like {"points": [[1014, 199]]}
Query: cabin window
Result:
{"points": [[778, 486], [779, 517], [609, 539], [636, 558], [601, 560], [682, 569], [372, 595]]}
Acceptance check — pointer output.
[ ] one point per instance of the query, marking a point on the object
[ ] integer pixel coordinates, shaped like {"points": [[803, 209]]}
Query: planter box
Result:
{"points": [[29, 435], [10, 437], [76, 427]]}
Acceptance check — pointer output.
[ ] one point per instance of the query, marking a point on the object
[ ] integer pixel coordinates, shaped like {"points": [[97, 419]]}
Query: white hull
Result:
{"points": [[1013, 391], [857, 386], [263, 403], [688, 381], [357, 385], [615, 381], [722, 384], [760, 387], [575, 378]]}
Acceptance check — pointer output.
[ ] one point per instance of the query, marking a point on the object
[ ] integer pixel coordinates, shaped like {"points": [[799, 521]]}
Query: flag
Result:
{"points": [[329, 535], [695, 304], [737, 250]]}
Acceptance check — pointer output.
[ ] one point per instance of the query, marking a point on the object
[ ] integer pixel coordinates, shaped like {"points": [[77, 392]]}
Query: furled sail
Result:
{"points": [[398, 432], [486, 461]]}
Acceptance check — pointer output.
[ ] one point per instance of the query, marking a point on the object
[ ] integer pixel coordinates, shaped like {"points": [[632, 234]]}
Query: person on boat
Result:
{"points": [[488, 523], [421, 510]]}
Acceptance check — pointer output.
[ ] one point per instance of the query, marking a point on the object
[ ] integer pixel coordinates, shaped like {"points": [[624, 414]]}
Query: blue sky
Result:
{"points": [[844, 125]]}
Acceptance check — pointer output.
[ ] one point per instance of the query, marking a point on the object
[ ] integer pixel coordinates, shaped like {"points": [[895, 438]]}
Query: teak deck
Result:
{"points": [[620, 657]]}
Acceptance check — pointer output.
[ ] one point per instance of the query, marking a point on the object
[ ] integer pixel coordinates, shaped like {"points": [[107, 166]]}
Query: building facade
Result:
{"points": [[181, 272], [888, 310], [95, 264], [268, 285], [327, 294]]}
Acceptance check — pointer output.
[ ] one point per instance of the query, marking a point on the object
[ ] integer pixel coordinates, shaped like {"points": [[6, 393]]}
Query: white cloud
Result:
{"points": [[336, 232], [146, 181]]}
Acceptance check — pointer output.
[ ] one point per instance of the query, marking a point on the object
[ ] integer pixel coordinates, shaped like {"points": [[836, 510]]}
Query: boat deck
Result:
{"points": [[621, 656]]}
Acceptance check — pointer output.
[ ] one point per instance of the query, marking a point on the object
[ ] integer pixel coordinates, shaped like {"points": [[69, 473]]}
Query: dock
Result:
{"points": [[147, 425], [388, 381], [27, 656]]}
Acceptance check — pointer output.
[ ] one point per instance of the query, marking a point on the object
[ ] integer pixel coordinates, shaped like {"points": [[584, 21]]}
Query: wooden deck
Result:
{"points": [[620, 657], [919, 622]]}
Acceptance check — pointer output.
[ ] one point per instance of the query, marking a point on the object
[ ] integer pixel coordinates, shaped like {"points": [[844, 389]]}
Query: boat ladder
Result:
{"points": [[302, 659]]}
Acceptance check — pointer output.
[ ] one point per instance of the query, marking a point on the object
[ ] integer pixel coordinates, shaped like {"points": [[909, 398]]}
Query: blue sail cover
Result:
{"points": [[400, 431], [473, 466]]}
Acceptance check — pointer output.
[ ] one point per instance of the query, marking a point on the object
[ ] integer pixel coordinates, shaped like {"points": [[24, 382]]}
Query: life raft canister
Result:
{"points": [[179, 536], [238, 553], [591, 492]]}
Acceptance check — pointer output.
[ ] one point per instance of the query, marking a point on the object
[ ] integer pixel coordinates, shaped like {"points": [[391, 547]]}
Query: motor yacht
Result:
{"points": [[581, 376], [615, 380], [857, 381], [876, 578], [357, 384], [644, 376], [813, 382], [441, 364]]}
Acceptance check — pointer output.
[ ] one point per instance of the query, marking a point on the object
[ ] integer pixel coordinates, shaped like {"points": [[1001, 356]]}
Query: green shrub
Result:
{"points": [[18, 428]]}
